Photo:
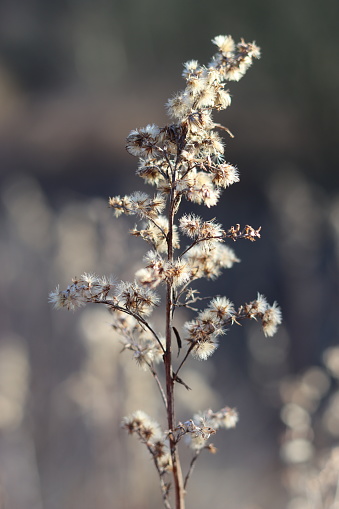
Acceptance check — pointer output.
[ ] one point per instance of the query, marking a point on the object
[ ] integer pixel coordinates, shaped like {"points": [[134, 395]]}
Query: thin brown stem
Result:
{"points": [[191, 467], [156, 378], [176, 468], [168, 161], [163, 486], [157, 226], [184, 360], [135, 315]]}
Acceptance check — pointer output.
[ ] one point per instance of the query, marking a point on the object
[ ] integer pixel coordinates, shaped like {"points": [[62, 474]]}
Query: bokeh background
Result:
{"points": [[75, 78]]}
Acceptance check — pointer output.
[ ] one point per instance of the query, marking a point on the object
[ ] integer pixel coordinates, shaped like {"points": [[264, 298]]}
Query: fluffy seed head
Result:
{"points": [[271, 319], [205, 349], [225, 43]]}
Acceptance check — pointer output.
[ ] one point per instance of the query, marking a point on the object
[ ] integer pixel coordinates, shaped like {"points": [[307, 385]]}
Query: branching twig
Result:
{"points": [[191, 467], [139, 318], [163, 485], [183, 360], [156, 378]]}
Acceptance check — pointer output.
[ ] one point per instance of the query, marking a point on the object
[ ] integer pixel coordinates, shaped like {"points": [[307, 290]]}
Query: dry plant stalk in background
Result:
{"points": [[182, 160]]}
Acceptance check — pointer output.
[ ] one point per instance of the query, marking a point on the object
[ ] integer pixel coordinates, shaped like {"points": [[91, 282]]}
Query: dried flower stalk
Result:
{"points": [[184, 159]]}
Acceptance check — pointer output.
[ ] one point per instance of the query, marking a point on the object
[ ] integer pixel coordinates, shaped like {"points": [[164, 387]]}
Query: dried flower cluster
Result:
{"points": [[149, 432], [184, 159], [205, 424]]}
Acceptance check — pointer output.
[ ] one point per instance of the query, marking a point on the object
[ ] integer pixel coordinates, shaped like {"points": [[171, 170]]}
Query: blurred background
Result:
{"points": [[75, 78]]}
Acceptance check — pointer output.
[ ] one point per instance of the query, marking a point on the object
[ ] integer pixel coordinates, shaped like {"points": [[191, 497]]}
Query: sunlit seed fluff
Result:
{"points": [[187, 155], [152, 130], [222, 307], [245, 64], [164, 187], [204, 417], [239, 66], [260, 304], [196, 442], [146, 350], [210, 229], [195, 86], [135, 149], [123, 323], [224, 42], [234, 73], [254, 50], [271, 319], [212, 76], [208, 419], [149, 171], [121, 205], [206, 98], [91, 286], [225, 256], [227, 417], [216, 63], [154, 273], [148, 432], [155, 233], [141, 423], [178, 272], [149, 277], [198, 120], [211, 323], [136, 420], [162, 222], [202, 179], [204, 349], [202, 191], [88, 278], [153, 258], [57, 298], [179, 105], [165, 461], [71, 299], [215, 143], [138, 197], [190, 225], [143, 141], [190, 67], [142, 358], [136, 298], [145, 206], [224, 175], [195, 330], [222, 99], [209, 263], [186, 182]]}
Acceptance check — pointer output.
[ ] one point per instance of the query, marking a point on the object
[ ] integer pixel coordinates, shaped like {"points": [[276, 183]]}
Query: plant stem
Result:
{"points": [[177, 473]]}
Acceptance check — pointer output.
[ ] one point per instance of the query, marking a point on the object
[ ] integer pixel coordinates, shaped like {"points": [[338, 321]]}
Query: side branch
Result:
{"points": [[233, 233], [164, 486], [191, 467], [131, 313], [156, 378]]}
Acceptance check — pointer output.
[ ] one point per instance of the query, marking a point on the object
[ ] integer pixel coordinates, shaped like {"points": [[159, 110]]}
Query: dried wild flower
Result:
{"points": [[183, 161]]}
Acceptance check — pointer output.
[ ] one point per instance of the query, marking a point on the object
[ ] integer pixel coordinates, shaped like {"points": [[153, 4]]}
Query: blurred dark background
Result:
{"points": [[75, 78]]}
